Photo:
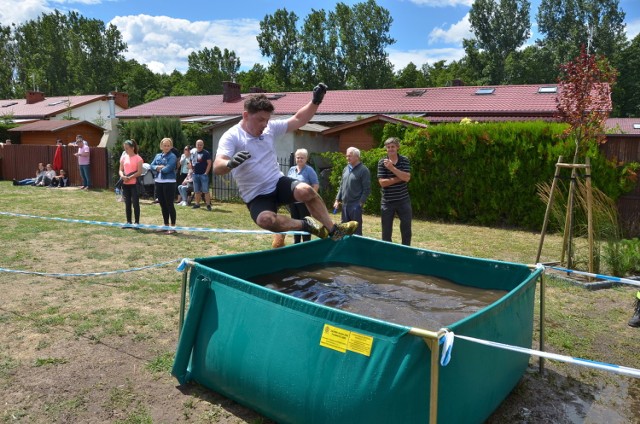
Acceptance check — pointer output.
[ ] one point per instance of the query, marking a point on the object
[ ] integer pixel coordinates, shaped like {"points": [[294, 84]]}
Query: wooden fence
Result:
{"points": [[19, 161]]}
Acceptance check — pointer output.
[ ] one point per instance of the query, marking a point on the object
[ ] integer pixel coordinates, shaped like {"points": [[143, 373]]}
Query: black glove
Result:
{"points": [[238, 159], [318, 93]]}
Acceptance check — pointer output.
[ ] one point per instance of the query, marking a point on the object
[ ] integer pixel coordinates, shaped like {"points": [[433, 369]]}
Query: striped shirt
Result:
{"points": [[398, 191]]}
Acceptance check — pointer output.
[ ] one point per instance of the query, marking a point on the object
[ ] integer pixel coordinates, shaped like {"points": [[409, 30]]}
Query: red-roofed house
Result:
{"points": [[84, 108], [93, 109], [439, 104]]}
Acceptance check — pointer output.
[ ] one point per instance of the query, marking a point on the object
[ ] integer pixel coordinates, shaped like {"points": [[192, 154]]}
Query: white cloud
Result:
{"points": [[633, 29], [400, 59], [442, 3], [19, 11], [454, 34], [164, 43]]}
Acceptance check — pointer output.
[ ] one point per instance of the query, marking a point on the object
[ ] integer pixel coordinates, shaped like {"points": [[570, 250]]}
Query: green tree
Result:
{"points": [[279, 40], [208, 68], [523, 67], [67, 54], [136, 80], [364, 34], [323, 54], [258, 77], [625, 95], [410, 77], [569, 24], [500, 28], [7, 58]]}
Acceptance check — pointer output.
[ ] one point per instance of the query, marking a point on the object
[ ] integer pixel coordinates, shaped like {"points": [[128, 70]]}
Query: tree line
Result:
{"points": [[68, 54]]}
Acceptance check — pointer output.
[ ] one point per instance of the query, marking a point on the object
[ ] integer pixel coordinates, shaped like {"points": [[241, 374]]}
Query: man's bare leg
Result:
{"points": [[312, 200]]}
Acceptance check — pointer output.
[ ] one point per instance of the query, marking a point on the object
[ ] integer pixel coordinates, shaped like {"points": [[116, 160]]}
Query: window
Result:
{"points": [[415, 93], [551, 89], [484, 91]]}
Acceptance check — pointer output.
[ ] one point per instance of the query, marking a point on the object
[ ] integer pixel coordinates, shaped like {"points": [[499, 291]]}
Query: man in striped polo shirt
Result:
{"points": [[394, 172]]}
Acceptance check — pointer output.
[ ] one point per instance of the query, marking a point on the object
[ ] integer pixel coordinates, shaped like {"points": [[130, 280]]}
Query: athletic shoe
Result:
{"points": [[343, 229], [195, 206], [635, 319], [209, 208], [183, 203], [313, 226]]}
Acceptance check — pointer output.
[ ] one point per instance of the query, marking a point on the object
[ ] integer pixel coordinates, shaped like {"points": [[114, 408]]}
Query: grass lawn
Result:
{"points": [[99, 349]]}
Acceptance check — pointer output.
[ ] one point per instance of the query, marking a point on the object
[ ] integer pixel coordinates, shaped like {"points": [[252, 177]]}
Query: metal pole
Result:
{"points": [[183, 299], [542, 316]]}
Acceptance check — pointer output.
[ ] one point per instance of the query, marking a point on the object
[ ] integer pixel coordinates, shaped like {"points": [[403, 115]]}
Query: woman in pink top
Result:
{"points": [[130, 170]]}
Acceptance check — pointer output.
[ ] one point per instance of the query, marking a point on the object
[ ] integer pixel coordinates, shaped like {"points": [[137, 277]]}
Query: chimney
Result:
{"points": [[230, 92], [121, 99], [457, 83], [34, 97]]}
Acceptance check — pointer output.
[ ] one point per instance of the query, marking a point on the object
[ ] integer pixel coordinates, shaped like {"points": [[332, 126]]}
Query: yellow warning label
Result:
{"points": [[342, 340], [334, 338], [360, 343]]}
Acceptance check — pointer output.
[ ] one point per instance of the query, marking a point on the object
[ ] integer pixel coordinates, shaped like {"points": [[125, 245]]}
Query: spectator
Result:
{"points": [[164, 164], [183, 164], [84, 159], [130, 170], [355, 187], [61, 180], [201, 165], [32, 181], [394, 172], [48, 176], [185, 188], [302, 172]]}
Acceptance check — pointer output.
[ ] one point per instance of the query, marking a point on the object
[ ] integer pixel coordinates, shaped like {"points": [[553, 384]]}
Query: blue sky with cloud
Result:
{"points": [[162, 34]]}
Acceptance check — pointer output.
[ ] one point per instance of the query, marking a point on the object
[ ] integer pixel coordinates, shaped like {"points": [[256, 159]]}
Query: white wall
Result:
{"points": [[90, 112]]}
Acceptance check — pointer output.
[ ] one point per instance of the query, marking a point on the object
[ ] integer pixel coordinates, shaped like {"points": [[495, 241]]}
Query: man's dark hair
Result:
{"points": [[258, 103]]}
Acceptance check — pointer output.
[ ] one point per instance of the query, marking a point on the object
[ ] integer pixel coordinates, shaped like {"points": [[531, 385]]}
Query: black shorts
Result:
{"points": [[282, 195]]}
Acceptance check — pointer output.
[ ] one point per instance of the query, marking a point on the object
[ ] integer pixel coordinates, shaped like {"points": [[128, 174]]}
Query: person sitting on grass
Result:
{"points": [[49, 175], [61, 180], [32, 181]]}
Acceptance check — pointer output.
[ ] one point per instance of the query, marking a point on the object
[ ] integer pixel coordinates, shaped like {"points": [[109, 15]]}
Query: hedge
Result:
{"points": [[484, 174]]}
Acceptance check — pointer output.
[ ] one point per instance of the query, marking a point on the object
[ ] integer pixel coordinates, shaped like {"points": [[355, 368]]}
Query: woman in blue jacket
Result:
{"points": [[164, 165]]}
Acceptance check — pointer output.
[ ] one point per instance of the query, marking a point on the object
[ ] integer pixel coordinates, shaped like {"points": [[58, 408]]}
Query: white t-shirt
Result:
{"points": [[259, 174]]}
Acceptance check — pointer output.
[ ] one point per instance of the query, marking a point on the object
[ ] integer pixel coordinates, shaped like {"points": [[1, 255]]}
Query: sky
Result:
{"points": [[162, 33]]}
